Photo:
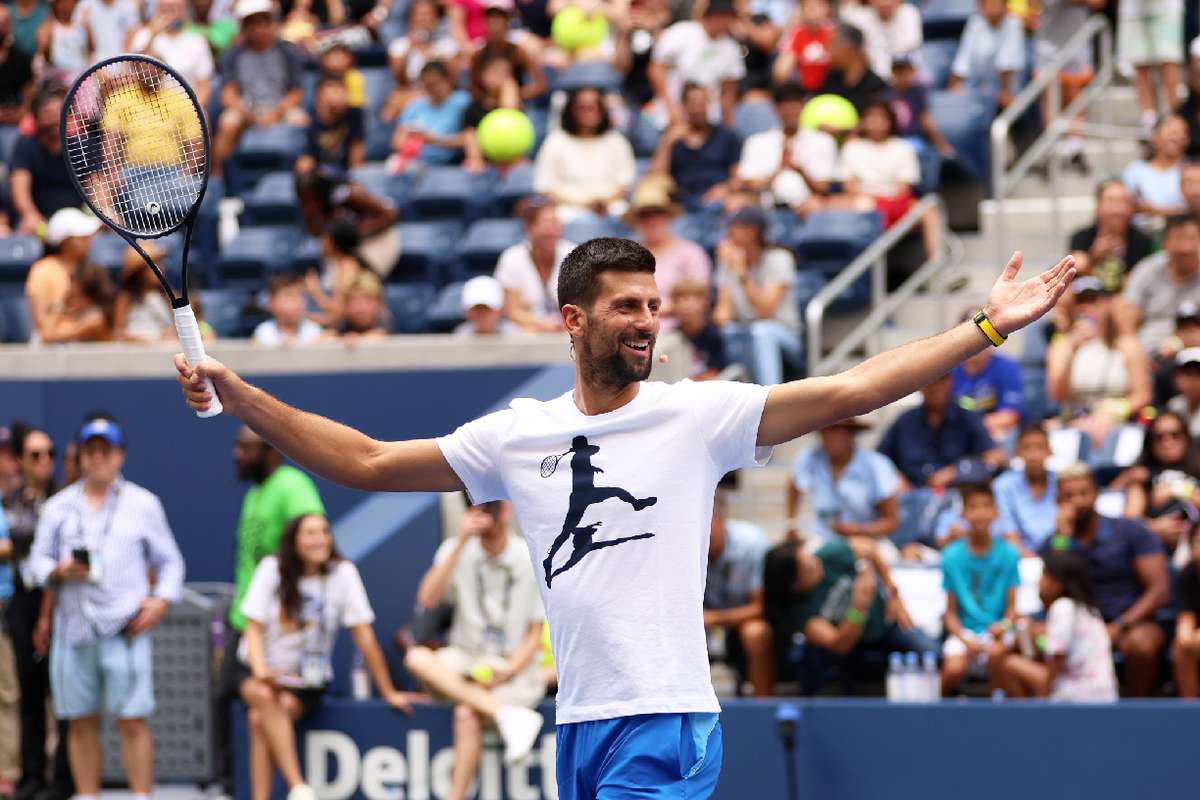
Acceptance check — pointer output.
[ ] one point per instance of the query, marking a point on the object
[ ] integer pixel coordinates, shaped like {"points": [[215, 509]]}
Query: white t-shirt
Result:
{"points": [[186, 52], [816, 152], [109, 23], [491, 592], [327, 603], [883, 169], [1081, 636], [884, 40], [267, 334], [442, 49], [515, 270], [690, 55], [631, 501]]}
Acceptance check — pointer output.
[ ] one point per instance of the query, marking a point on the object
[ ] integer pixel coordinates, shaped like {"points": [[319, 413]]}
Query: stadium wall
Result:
{"points": [[846, 750]]}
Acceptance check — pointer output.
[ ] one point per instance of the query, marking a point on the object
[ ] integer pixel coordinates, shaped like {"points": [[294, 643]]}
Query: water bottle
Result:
{"points": [[912, 678], [931, 678], [360, 681], [895, 677], [1025, 639]]}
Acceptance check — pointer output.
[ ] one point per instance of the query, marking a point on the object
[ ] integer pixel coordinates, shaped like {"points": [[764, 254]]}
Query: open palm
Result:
{"points": [[1013, 304]]}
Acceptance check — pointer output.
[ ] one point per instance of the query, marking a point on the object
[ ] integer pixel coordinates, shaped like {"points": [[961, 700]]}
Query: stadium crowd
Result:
{"points": [[348, 135]]}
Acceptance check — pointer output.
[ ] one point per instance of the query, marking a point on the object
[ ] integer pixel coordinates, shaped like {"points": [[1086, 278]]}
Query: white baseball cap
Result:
{"points": [[482, 290], [248, 8], [68, 222]]}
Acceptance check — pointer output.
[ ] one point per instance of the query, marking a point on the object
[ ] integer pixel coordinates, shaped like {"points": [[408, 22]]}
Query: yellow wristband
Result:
{"points": [[989, 330]]}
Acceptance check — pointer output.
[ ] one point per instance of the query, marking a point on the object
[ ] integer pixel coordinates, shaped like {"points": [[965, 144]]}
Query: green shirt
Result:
{"points": [[831, 598], [220, 34], [286, 494]]}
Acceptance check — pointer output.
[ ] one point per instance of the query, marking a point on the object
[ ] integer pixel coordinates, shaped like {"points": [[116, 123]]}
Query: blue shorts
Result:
{"points": [[114, 675], [645, 756]]}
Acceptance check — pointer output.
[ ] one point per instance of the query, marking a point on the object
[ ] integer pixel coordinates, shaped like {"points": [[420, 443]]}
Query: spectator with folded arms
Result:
{"points": [[587, 166], [1078, 666], [979, 574], [294, 606], [1129, 567]]}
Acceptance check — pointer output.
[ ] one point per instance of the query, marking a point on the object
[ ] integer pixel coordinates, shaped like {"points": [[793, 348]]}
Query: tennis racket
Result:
{"points": [[550, 463], [136, 145]]}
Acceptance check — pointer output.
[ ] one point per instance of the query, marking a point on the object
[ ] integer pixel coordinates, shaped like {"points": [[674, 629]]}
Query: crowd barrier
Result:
{"points": [[846, 749]]}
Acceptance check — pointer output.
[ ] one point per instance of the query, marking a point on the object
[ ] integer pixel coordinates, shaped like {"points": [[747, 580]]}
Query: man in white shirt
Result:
{"points": [[789, 164], [891, 28], [636, 713], [187, 52], [110, 22], [489, 662], [701, 52]]}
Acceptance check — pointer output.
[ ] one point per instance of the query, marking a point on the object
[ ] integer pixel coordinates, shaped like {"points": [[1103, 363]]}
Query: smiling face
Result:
{"points": [[314, 542], [100, 461], [37, 459], [615, 336]]}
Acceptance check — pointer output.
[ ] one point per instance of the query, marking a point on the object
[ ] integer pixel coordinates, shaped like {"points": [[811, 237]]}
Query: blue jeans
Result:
{"points": [[770, 341]]}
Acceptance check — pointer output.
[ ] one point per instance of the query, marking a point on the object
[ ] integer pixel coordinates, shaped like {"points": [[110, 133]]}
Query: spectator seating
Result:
{"points": [[945, 19], [964, 120], [427, 252], [483, 243], [937, 58], [512, 186], [449, 193], [409, 305], [591, 227], [307, 255], [829, 240], [446, 312], [17, 253], [752, 118], [590, 75], [272, 201], [377, 84], [378, 181], [263, 150], [225, 309], [255, 253], [1038, 405], [16, 325]]}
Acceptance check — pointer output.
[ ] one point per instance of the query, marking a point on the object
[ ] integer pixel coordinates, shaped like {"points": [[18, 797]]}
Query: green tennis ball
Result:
{"points": [[505, 134], [482, 673], [569, 29], [829, 110], [595, 31]]}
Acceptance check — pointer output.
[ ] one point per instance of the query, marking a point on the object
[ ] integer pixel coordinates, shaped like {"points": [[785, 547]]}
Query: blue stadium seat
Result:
{"points": [[17, 254], [255, 253], [448, 193], [592, 227], [263, 150], [937, 57], [108, 251], [964, 119], [808, 283], [378, 138], [484, 241], [703, 229], [378, 181], [272, 201], [224, 309], [945, 19], [588, 74], [378, 84], [306, 255], [752, 118], [205, 241], [8, 140], [426, 251], [409, 304], [831, 235], [930, 161], [514, 185], [17, 322], [446, 312], [643, 135]]}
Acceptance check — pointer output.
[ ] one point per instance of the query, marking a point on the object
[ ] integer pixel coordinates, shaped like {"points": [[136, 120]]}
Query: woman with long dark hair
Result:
{"points": [[1161, 489], [1078, 663], [294, 606]]}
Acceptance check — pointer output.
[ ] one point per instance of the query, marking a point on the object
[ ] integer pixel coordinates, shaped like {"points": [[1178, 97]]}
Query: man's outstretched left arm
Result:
{"points": [[795, 408]]}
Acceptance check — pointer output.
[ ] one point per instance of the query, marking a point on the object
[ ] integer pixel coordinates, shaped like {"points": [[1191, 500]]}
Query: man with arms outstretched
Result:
{"points": [[636, 710]]}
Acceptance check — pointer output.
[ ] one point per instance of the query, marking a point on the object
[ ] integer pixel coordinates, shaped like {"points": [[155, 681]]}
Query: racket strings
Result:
{"points": [[135, 142]]}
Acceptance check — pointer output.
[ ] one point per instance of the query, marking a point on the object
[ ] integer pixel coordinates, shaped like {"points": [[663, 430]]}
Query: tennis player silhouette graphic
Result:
{"points": [[584, 493]]}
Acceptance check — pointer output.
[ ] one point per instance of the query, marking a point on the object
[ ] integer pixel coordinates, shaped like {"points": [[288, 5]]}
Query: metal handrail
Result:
{"points": [[1047, 80], [874, 258]]}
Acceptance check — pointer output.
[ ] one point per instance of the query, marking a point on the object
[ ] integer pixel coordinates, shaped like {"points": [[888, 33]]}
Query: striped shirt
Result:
{"points": [[127, 536]]}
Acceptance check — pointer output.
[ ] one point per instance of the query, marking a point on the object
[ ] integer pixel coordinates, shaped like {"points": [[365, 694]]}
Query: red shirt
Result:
{"points": [[811, 50]]}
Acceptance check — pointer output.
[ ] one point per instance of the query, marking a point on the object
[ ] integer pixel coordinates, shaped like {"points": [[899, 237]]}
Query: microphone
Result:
{"points": [[663, 358]]}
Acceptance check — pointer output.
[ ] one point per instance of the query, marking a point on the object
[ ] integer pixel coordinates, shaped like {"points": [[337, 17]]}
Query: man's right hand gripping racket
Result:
{"points": [[136, 145]]}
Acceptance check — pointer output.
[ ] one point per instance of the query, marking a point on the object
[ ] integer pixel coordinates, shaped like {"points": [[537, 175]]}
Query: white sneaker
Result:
{"points": [[302, 791], [519, 728]]}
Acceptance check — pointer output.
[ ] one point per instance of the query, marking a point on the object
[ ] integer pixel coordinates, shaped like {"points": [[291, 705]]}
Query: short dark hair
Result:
{"points": [[850, 34], [577, 277], [568, 113], [1179, 220], [887, 109], [343, 235], [282, 281], [974, 489], [327, 79], [690, 86], [789, 92], [1031, 429], [435, 68]]}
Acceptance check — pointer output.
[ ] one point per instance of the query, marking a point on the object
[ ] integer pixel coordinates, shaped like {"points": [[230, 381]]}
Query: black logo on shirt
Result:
{"points": [[584, 493]]}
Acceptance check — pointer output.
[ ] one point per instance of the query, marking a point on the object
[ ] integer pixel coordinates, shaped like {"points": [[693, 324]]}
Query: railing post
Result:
{"points": [[1104, 73], [878, 292], [999, 133], [1054, 129]]}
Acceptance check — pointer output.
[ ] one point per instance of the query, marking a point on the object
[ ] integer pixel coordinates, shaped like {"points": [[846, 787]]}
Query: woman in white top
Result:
{"points": [[294, 606], [1078, 665], [141, 313], [64, 43], [528, 270], [586, 165], [1098, 374]]}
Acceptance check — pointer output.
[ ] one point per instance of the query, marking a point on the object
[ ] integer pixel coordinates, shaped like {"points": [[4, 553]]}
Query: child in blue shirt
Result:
{"points": [[980, 575]]}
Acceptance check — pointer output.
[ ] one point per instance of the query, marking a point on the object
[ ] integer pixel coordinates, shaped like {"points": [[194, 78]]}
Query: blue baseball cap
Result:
{"points": [[103, 429]]}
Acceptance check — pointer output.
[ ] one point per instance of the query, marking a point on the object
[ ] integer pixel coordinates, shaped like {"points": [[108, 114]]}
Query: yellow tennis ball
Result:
{"points": [[829, 110], [504, 135], [482, 673]]}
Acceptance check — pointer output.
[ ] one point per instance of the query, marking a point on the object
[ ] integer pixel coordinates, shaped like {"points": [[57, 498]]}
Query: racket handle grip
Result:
{"points": [[193, 351]]}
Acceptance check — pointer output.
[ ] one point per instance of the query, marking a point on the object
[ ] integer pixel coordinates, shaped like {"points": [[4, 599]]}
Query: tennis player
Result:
{"points": [[638, 465]]}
